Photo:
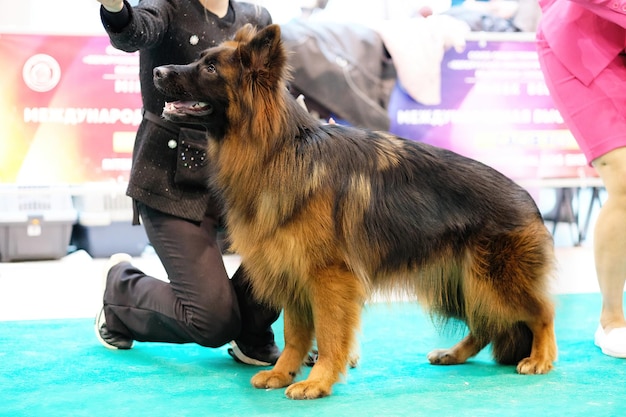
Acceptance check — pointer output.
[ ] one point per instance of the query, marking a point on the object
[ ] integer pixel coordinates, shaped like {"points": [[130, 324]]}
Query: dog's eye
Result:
{"points": [[211, 68]]}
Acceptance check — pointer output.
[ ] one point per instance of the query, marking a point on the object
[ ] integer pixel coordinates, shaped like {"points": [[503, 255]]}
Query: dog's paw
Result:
{"points": [[307, 390], [271, 379], [443, 357], [530, 366]]}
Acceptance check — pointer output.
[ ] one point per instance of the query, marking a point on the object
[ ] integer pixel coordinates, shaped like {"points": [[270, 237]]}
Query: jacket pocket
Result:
{"points": [[191, 162]]}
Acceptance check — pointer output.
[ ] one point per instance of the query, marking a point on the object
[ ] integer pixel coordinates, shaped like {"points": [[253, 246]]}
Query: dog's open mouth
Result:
{"points": [[191, 108]]}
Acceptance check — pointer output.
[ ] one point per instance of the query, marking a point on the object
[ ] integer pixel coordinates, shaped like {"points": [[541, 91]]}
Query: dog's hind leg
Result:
{"points": [[298, 340], [544, 351], [520, 307], [459, 353], [524, 300]]}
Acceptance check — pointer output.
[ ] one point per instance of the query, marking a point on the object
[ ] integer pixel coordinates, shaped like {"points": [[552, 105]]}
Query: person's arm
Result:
{"points": [[134, 28], [113, 6], [611, 10], [114, 14]]}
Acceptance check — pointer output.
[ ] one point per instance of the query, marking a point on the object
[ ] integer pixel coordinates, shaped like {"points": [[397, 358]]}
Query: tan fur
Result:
{"points": [[319, 217]]}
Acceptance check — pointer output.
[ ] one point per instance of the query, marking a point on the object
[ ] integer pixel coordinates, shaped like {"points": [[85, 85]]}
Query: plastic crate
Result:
{"points": [[104, 225], [35, 222]]}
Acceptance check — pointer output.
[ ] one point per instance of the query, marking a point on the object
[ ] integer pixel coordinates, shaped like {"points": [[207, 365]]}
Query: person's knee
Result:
{"points": [[215, 329], [612, 169]]}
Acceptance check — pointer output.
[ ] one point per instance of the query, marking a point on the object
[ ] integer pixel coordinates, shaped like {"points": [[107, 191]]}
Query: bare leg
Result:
{"points": [[610, 239]]}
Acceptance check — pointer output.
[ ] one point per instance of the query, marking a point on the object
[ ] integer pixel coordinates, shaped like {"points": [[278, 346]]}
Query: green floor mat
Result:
{"points": [[57, 368]]}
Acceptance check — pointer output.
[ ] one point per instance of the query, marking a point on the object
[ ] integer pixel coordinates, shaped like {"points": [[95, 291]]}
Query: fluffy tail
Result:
{"points": [[512, 345]]}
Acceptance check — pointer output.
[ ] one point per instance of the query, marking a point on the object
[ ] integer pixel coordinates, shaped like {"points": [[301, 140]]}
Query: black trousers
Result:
{"points": [[199, 304]]}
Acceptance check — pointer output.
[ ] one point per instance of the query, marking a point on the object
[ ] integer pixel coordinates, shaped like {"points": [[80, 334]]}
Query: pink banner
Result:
{"points": [[71, 105], [69, 109], [495, 108]]}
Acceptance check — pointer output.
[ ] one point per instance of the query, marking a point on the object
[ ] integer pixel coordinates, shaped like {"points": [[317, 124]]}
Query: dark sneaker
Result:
{"points": [[108, 339], [257, 356], [313, 356]]}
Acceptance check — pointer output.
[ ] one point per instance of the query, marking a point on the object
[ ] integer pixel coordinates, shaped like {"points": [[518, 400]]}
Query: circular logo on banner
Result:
{"points": [[41, 73]]}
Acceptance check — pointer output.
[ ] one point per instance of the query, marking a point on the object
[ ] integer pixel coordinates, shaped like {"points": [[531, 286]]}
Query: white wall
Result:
{"points": [[81, 16], [47, 16]]}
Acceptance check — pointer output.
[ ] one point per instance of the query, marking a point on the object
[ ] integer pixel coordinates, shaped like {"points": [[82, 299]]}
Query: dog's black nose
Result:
{"points": [[160, 72]]}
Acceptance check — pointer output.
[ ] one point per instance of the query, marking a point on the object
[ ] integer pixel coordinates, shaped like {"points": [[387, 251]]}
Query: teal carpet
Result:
{"points": [[57, 368]]}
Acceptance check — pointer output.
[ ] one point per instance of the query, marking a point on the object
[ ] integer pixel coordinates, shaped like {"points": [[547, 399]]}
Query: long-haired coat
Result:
{"points": [[323, 215]]}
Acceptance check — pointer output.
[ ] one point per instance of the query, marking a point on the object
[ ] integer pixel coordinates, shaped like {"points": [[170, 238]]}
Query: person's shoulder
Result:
{"points": [[249, 7], [252, 11], [158, 3], [160, 7]]}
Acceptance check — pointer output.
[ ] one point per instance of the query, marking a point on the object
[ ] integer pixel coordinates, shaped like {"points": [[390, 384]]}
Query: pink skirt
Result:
{"points": [[595, 114]]}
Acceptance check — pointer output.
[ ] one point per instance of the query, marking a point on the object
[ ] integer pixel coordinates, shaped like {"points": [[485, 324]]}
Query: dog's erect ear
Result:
{"points": [[264, 57], [245, 34]]}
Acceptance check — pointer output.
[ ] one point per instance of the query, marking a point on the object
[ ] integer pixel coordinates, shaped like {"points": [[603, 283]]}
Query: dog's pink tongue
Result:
{"points": [[186, 103], [173, 105], [192, 108]]}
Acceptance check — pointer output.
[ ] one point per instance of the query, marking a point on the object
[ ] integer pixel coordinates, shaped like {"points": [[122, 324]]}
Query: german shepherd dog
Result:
{"points": [[323, 215]]}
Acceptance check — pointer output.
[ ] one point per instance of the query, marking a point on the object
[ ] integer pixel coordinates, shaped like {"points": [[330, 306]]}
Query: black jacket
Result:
{"points": [[169, 163]]}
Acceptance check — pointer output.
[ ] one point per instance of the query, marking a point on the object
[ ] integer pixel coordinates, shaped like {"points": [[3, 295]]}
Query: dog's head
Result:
{"points": [[225, 76]]}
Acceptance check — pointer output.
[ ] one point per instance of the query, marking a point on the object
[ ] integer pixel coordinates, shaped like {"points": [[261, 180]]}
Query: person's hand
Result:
{"points": [[425, 11], [450, 29], [112, 5], [505, 9]]}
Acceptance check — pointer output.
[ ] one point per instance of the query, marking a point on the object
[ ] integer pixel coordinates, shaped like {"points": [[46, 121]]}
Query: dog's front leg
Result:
{"points": [[298, 341], [336, 302]]}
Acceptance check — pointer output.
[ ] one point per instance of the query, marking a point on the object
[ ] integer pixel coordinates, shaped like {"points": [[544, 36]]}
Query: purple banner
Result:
{"points": [[495, 108]]}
